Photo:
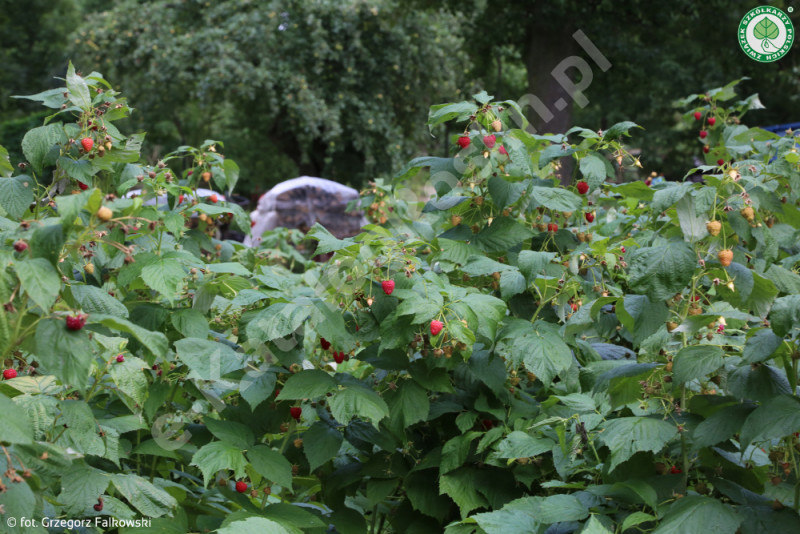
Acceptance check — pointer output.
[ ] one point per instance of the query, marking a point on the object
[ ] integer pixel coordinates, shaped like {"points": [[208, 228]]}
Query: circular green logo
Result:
{"points": [[766, 34]]}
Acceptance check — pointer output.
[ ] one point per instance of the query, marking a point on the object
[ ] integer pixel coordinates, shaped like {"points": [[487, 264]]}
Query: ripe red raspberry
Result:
{"points": [[503, 150], [388, 286], [489, 141], [589, 216], [703, 134], [552, 227], [20, 246], [706, 149], [214, 199], [436, 327], [296, 412], [338, 357], [98, 507], [76, 322], [252, 224], [720, 162], [120, 358], [582, 187], [324, 343], [8, 374], [83, 186], [87, 143], [674, 470], [463, 141], [241, 487], [711, 121], [180, 198], [697, 115]]}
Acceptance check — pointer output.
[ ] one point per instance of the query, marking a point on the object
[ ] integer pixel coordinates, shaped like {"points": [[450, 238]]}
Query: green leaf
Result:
{"points": [[208, 360], [190, 323], [518, 444], [155, 342], [641, 316], [80, 429], [327, 241], [555, 151], [618, 129], [165, 275], [626, 436], [219, 455], [16, 195], [408, 404], [277, 321], [459, 485], [503, 192], [672, 193], [785, 314], [761, 344], [78, 89], [40, 281], [532, 263], [230, 432], [6, 169], [785, 280], [63, 353], [92, 299], [440, 113], [775, 418], [357, 401], [229, 268], [255, 525], [692, 225], [636, 518], [662, 271], [593, 169], [696, 361], [13, 429], [489, 310], [555, 198], [504, 233], [721, 425], [694, 513], [321, 442], [40, 145], [765, 29], [594, 526], [47, 242], [543, 350], [150, 500], [307, 384], [81, 485], [130, 378], [256, 386], [271, 465]]}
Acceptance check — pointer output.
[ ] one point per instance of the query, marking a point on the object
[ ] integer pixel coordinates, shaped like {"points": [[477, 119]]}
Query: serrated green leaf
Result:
{"points": [[94, 300], [256, 525], [357, 401], [660, 272], [761, 344], [208, 360], [40, 145], [63, 353], [519, 444], [40, 280], [130, 379], [307, 384], [626, 436], [694, 513], [78, 89], [16, 195], [257, 386], [271, 465], [148, 499], [696, 362], [190, 323], [555, 198], [230, 432], [277, 321], [408, 404], [321, 443], [81, 485], [593, 169], [775, 418], [12, 428], [459, 485], [504, 233], [219, 455], [165, 275], [155, 342]]}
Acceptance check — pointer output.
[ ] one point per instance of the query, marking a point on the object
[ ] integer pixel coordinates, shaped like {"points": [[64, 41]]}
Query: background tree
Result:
{"points": [[334, 89]]}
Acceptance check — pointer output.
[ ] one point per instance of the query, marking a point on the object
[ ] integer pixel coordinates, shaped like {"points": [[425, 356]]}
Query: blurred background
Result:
{"points": [[341, 88]]}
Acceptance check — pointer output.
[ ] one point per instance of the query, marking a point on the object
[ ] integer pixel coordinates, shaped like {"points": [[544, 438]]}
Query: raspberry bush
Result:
{"points": [[491, 360]]}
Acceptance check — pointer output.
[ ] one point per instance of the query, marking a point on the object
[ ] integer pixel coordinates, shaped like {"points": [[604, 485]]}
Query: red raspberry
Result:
{"points": [[463, 141], [296, 412], [703, 134], [697, 115], [436, 327], [388, 286], [213, 198], [674, 470], [503, 150], [8, 374], [589, 216], [76, 322], [489, 141], [241, 487], [583, 187], [324, 343], [338, 357], [711, 121], [20, 246], [83, 186], [706, 149], [720, 162], [120, 358], [87, 143], [552, 228]]}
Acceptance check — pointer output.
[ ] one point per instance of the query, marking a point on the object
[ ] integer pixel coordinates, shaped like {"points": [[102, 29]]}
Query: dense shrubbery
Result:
{"points": [[591, 356]]}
